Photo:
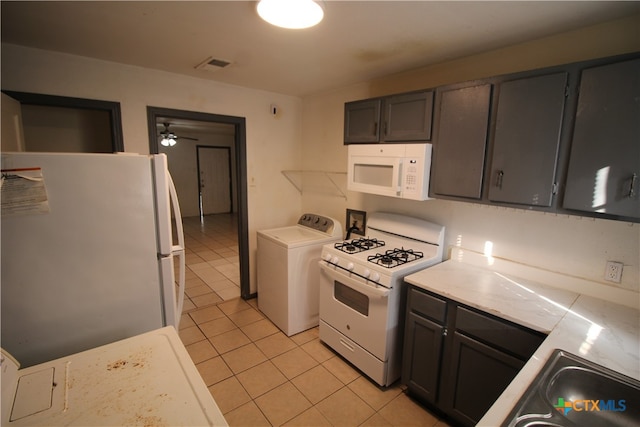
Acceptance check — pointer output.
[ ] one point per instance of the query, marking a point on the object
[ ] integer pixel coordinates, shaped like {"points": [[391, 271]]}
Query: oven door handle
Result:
{"points": [[371, 291]]}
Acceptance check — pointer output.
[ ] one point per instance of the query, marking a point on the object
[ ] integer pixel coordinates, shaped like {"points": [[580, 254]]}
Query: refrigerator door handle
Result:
{"points": [[178, 250], [181, 284]]}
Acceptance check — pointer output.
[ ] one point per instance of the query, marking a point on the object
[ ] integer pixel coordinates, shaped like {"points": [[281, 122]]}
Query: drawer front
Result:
{"points": [[427, 305], [515, 339], [373, 367]]}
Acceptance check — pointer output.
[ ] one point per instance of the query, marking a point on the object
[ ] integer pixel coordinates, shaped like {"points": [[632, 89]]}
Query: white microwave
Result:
{"points": [[395, 170]]}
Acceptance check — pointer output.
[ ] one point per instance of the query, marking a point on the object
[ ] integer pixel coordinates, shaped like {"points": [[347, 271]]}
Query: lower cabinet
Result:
{"points": [[459, 360], [423, 344], [481, 375]]}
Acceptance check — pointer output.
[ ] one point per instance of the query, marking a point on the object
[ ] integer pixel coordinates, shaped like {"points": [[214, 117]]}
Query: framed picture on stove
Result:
{"points": [[356, 222]]}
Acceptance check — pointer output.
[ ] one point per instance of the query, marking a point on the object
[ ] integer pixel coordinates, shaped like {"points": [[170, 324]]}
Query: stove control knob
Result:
{"points": [[350, 266], [327, 257], [334, 260], [366, 272], [375, 277]]}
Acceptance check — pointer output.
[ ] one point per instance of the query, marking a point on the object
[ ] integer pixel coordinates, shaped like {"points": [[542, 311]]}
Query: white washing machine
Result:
{"points": [[288, 271]]}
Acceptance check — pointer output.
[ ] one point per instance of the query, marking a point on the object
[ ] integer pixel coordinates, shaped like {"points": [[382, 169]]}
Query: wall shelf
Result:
{"points": [[321, 182]]}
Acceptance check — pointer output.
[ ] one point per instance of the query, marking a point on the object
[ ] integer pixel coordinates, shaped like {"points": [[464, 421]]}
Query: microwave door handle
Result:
{"points": [[398, 178]]}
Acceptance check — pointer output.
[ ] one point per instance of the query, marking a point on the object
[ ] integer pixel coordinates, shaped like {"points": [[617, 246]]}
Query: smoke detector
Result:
{"points": [[212, 64]]}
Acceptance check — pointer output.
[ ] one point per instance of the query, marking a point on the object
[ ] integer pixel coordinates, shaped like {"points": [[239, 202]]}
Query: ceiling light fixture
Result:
{"points": [[294, 14], [168, 142]]}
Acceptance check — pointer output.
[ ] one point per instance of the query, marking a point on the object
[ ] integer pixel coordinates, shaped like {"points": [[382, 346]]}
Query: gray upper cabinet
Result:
{"points": [[562, 139], [397, 118], [526, 140], [604, 165], [361, 121], [461, 140], [407, 117]]}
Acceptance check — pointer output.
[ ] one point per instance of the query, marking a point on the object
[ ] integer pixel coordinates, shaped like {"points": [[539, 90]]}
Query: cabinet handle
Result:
{"points": [[499, 179], [375, 128], [632, 186], [444, 332]]}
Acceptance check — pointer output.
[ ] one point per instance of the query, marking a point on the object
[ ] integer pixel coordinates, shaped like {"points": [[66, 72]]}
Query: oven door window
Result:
{"points": [[351, 298]]}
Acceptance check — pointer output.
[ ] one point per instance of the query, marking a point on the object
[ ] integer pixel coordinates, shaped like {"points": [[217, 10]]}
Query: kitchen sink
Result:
{"points": [[571, 391]]}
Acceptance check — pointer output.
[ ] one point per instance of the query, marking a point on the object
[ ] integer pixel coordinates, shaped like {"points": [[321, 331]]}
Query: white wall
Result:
{"points": [[572, 245], [273, 143], [63, 129]]}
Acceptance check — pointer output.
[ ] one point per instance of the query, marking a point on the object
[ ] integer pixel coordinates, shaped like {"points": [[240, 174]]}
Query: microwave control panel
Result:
{"points": [[417, 165], [411, 178]]}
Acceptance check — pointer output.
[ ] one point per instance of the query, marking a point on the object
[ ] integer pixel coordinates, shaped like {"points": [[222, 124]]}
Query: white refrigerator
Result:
{"points": [[88, 251]]}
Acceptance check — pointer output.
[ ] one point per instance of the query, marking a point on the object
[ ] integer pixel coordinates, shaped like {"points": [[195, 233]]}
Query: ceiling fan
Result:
{"points": [[169, 138]]}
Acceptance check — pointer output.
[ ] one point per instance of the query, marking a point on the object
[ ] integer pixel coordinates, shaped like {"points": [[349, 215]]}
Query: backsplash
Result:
{"points": [[574, 246]]}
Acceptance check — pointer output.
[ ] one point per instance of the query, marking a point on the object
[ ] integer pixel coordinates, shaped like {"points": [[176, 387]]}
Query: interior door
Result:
{"points": [[214, 179]]}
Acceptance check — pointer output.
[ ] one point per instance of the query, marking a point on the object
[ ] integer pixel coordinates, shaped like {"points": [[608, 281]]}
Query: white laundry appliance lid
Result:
{"points": [[310, 229], [148, 379], [295, 235]]}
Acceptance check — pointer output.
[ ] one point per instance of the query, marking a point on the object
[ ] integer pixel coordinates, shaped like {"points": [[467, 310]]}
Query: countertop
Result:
{"points": [[593, 320]]}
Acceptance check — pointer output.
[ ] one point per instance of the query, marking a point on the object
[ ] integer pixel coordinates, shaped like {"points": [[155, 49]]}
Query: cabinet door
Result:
{"points": [[604, 166], [422, 356], [480, 375], [459, 152], [361, 121], [408, 117], [527, 138]]}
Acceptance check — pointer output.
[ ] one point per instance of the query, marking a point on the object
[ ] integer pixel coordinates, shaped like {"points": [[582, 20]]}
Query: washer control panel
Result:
{"points": [[317, 222]]}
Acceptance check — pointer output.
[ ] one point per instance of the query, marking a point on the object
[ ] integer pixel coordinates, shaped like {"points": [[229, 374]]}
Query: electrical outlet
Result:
{"points": [[613, 271]]}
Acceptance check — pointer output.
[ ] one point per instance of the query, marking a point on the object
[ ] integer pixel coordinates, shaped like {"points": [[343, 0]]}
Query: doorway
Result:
{"points": [[214, 179], [237, 174]]}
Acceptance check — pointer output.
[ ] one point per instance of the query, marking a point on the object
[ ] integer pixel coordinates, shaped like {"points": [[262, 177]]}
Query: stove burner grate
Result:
{"points": [[358, 245], [395, 257]]}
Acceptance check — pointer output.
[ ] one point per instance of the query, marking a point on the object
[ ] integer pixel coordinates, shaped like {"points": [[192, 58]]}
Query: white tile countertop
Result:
{"points": [[592, 320]]}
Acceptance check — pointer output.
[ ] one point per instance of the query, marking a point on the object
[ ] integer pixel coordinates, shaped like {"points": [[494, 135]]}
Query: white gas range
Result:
{"points": [[361, 288]]}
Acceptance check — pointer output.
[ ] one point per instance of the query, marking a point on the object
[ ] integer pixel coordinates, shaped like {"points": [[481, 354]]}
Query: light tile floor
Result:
{"points": [[258, 375], [212, 271]]}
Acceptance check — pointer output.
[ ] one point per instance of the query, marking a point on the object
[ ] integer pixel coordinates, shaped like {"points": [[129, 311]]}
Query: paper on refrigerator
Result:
{"points": [[23, 192]]}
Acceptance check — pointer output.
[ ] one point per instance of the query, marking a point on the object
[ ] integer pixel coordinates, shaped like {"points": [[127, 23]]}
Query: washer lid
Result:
{"points": [[295, 235]]}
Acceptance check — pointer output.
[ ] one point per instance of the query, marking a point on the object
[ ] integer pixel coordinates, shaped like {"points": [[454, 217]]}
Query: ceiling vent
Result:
{"points": [[213, 64]]}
